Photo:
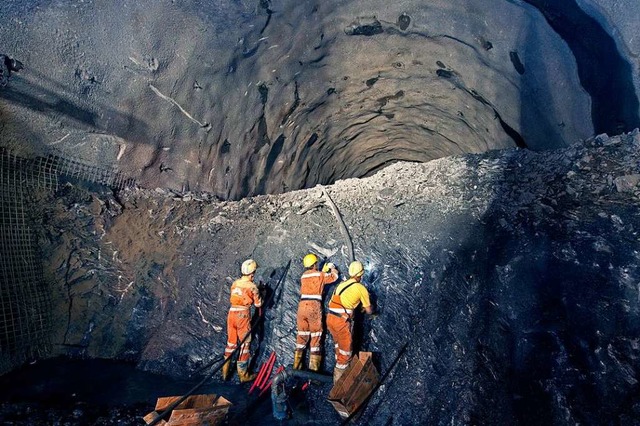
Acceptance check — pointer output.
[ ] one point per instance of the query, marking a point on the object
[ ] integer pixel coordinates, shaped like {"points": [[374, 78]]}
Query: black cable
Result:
{"points": [[215, 370], [204, 367]]}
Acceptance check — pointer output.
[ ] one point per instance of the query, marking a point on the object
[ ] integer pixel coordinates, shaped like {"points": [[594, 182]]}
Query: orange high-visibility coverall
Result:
{"points": [[244, 293], [309, 318], [346, 297]]}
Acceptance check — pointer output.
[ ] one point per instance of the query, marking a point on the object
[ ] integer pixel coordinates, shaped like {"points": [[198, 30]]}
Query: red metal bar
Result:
{"points": [[264, 378], [266, 388], [262, 372]]}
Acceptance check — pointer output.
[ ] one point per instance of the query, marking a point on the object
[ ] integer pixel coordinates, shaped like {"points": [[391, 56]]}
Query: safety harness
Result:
{"points": [[335, 299]]}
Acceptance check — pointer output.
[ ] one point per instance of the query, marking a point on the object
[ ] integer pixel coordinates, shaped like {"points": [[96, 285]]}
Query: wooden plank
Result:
{"points": [[345, 382], [341, 409], [361, 378], [192, 401], [193, 411], [152, 416], [197, 416], [367, 379]]}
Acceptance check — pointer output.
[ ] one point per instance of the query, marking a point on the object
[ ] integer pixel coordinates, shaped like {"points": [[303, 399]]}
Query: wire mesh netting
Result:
{"points": [[45, 171], [25, 304]]}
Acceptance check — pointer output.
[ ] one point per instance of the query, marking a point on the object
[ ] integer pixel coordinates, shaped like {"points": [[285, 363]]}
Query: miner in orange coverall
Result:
{"points": [[345, 299], [244, 293], [309, 319]]}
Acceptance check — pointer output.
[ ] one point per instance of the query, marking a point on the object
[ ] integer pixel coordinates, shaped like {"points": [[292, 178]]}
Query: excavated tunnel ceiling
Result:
{"points": [[242, 98]]}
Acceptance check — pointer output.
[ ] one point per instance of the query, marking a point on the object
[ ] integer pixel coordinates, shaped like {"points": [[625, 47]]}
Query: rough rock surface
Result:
{"points": [[618, 18], [513, 274], [243, 98]]}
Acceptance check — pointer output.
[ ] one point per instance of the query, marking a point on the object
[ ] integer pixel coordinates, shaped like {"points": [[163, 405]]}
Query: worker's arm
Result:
{"points": [[365, 299], [330, 273], [257, 297], [257, 300]]}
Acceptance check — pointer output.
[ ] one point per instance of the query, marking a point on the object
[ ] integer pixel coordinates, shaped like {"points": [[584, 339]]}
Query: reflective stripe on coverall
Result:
{"points": [[244, 293], [340, 326], [309, 319]]}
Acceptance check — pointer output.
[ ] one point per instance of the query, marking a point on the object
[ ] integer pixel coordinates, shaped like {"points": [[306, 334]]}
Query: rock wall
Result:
{"points": [[618, 18], [513, 275], [264, 97]]}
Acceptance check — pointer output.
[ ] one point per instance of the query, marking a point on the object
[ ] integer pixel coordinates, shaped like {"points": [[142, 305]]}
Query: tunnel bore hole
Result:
{"points": [[370, 153]]}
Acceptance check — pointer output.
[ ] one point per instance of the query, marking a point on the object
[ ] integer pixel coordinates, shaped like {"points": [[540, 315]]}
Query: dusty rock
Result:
{"points": [[504, 283], [627, 183]]}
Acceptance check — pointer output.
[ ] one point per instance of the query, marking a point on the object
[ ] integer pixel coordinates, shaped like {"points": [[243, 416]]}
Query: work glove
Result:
{"points": [[328, 266]]}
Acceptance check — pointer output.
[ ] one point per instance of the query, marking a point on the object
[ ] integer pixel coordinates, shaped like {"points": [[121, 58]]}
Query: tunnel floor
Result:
{"points": [[107, 392]]}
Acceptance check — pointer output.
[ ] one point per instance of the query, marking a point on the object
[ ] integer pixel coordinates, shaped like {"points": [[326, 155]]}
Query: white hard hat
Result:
{"points": [[249, 266]]}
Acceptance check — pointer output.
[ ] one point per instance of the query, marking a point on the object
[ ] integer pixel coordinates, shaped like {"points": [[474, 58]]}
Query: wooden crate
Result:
{"points": [[356, 384], [207, 410]]}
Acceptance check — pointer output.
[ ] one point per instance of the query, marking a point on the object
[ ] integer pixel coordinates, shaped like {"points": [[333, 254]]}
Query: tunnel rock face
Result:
{"points": [[266, 97], [511, 272], [513, 277]]}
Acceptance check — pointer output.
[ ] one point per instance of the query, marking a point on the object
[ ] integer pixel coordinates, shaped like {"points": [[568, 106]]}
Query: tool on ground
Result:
{"points": [[173, 405]]}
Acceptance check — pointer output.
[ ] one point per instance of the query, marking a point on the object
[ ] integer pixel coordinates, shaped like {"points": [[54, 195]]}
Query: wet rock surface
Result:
{"points": [[240, 99], [512, 274]]}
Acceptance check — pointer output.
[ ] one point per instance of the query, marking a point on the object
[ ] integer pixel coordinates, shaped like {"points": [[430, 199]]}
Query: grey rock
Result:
{"points": [[627, 183]]}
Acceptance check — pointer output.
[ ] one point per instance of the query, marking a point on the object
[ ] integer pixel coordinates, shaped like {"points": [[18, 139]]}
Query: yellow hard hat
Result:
{"points": [[356, 269], [249, 267], [309, 260]]}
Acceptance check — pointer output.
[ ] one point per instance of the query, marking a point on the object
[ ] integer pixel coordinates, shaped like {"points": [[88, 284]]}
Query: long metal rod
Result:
{"points": [[215, 370]]}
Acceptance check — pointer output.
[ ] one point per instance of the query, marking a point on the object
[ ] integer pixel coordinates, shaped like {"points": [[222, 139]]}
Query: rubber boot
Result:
{"points": [[314, 362], [298, 356], [243, 374], [337, 373], [226, 369]]}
